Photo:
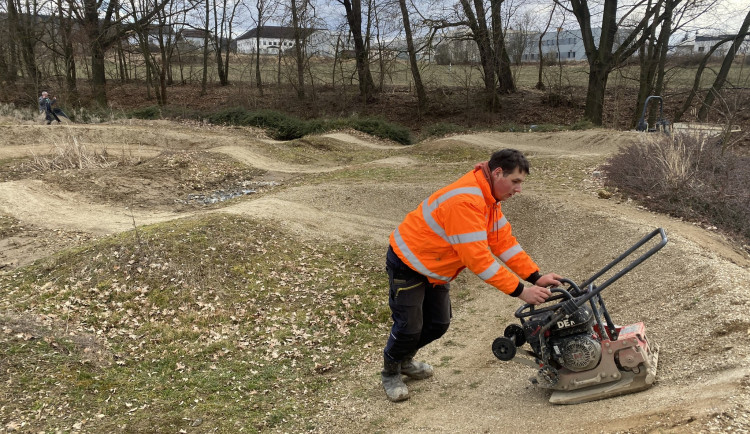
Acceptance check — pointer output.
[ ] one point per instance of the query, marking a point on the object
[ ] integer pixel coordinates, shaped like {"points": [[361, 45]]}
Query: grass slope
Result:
{"points": [[220, 322]]}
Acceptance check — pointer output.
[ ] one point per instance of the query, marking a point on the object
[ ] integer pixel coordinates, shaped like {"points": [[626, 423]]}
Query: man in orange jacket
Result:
{"points": [[459, 226]]}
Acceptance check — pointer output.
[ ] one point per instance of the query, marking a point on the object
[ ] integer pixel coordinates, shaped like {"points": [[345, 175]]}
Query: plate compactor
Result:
{"points": [[578, 351]]}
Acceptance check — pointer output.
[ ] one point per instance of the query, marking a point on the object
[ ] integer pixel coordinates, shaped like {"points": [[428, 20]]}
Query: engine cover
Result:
{"points": [[578, 353]]}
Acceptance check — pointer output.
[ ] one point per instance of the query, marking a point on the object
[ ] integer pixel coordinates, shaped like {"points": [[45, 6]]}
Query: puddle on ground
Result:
{"points": [[243, 189]]}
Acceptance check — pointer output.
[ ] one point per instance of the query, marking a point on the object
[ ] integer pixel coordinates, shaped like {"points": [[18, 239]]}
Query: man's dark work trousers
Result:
{"points": [[421, 311]]}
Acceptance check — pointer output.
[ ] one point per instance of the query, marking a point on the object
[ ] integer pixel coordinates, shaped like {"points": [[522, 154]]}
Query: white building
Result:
{"points": [[702, 44], [563, 45], [318, 42], [194, 36]]}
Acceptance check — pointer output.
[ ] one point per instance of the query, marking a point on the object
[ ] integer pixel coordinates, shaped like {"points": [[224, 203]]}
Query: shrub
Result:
{"points": [[689, 177], [230, 116], [382, 128], [281, 126], [150, 112]]}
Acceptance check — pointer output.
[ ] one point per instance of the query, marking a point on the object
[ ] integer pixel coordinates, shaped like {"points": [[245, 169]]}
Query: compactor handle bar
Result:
{"points": [[635, 263], [571, 305]]}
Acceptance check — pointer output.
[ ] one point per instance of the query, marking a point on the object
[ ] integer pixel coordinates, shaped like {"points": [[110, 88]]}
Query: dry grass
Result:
{"points": [[73, 154], [696, 178], [676, 160]]}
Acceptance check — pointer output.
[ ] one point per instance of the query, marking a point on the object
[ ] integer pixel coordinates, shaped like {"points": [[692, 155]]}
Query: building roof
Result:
{"points": [[193, 33], [276, 32], [700, 38]]}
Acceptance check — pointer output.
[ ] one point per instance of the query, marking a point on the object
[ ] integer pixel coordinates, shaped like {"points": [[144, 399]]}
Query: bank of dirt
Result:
{"points": [[692, 295]]}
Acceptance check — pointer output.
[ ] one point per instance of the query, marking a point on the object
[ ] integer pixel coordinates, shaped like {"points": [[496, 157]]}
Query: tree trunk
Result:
{"points": [[218, 48], [66, 26], [666, 33], [502, 60], [648, 64], [354, 18], [598, 74], [163, 67], [603, 59], [481, 36], [204, 81], [726, 65], [298, 50], [23, 28], [98, 74], [539, 82], [697, 80], [258, 80], [8, 68], [335, 61], [418, 86]]}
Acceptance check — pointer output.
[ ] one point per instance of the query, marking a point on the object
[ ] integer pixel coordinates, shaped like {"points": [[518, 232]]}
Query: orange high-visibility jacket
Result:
{"points": [[460, 226]]}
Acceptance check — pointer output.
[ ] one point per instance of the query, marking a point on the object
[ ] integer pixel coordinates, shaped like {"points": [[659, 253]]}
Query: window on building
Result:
{"points": [[700, 49]]}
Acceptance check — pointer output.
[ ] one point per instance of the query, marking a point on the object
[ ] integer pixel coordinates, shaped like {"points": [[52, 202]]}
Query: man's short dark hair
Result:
{"points": [[509, 160]]}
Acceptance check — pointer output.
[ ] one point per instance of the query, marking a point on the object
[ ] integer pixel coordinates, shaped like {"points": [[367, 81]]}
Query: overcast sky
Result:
{"points": [[725, 17]]}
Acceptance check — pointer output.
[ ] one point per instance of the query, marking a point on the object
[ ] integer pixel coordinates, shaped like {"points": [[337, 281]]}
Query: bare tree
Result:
{"points": [[8, 57], [698, 75], [263, 9], [206, 24], [606, 55], [416, 76], [24, 22], [721, 77], [361, 53], [539, 82], [221, 36], [491, 44], [300, 33], [104, 28]]}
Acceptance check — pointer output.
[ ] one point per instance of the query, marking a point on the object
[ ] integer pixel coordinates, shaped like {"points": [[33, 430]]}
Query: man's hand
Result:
{"points": [[535, 294], [549, 279]]}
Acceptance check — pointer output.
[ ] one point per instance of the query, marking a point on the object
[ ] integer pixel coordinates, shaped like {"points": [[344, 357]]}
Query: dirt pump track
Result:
{"points": [[692, 295]]}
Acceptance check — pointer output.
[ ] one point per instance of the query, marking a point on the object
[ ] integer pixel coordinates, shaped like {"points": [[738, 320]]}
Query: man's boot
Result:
{"points": [[414, 369], [394, 386]]}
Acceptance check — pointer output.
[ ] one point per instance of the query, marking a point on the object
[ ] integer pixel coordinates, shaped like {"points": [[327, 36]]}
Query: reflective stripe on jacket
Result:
{"points": [[461, 226]]}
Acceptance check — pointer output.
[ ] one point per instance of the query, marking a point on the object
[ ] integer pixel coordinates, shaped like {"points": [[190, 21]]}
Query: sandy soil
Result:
{"points": [[692, 295]]}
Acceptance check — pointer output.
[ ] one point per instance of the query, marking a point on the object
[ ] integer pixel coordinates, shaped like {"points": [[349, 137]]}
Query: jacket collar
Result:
{"points": [[482, 176]]}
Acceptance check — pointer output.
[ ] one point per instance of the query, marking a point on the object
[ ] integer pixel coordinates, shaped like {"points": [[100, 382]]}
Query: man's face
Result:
{"points": [[506, 185]]}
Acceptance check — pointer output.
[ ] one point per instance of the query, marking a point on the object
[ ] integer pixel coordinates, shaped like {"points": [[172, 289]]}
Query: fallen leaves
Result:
{"points": [[248, 312]]}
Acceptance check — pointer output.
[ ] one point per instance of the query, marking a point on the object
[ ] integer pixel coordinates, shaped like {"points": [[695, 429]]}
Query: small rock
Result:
{"points": [[604, 194]]}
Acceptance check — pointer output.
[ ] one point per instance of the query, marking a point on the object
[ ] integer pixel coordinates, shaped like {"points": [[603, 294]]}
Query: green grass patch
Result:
{"points": [[222, 320]]}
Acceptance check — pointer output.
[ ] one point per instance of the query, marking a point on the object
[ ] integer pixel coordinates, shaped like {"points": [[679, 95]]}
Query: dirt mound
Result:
{"points": [[692, 295]]}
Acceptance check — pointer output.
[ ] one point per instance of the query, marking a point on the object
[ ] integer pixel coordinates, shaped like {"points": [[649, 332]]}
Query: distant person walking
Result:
{"points": [[45, 106]]}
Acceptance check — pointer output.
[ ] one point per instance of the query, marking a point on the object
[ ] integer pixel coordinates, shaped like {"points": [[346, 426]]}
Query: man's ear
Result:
{"points": [[498, 172]]}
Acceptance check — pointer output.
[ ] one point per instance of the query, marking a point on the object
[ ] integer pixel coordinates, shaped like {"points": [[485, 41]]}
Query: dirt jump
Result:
{"points": [[693, 295]]}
